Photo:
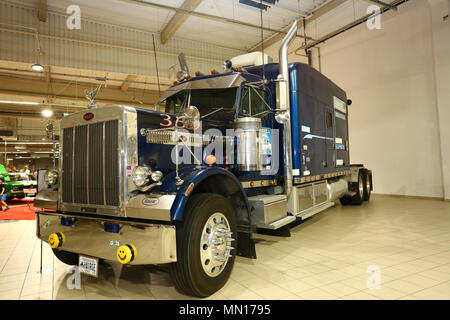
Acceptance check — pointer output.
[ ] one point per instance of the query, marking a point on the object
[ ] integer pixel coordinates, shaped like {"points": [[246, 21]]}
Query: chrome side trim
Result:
{"points": [[258, 183], [130, 150], [150, 206]]}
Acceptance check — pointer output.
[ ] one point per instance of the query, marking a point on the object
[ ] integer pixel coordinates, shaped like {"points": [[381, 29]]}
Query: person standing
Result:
{"points": [[3, 195]]}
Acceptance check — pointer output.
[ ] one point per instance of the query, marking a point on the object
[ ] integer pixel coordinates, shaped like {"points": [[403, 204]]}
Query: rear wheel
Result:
{"points": [[358, 198], [205, 256], [66, 257]]}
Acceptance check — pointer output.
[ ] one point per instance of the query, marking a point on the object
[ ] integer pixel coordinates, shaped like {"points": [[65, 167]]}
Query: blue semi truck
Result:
{"points": [[251, 149]]}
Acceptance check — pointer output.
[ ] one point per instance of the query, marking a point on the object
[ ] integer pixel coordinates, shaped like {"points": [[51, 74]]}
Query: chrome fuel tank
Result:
{"points": [[248, 132]]}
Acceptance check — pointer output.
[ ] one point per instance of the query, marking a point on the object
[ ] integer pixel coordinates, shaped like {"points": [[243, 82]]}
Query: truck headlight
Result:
{"points": [[140, 176], [51, 177], [157, 176]]}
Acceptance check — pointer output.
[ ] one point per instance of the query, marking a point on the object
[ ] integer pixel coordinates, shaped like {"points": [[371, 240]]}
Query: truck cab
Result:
{"points": [[224, 155]]}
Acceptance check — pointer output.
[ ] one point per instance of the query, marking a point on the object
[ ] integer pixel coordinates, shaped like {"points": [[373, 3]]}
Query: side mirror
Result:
{"points": [[349, 102]]}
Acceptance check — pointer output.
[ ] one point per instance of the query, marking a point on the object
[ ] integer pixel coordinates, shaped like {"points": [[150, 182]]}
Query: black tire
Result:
{"points": [[358, 198], [66, 257], [367, 186], [188, 273], [345, 200]]}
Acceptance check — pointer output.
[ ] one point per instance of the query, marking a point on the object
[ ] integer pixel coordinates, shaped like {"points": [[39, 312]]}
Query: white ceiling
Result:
{"points": [[195, 28]]}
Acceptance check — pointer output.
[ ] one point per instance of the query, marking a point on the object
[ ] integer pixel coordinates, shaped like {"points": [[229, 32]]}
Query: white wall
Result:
{"points": [[398, 79]]}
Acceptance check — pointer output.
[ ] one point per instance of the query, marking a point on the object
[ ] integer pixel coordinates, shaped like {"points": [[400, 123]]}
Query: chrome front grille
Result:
{"points": [[90, 164]]}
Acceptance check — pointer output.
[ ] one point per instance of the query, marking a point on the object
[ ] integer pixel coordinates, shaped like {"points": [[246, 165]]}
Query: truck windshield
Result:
{"points": [[206, 100]]}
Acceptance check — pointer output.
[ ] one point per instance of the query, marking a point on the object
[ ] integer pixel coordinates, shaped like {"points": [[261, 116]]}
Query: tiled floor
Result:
{"points": [[327, 257]]}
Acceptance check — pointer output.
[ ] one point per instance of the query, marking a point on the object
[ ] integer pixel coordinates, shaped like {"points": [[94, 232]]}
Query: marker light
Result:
{"points": [[157, 176], [210, 159], [47, 113]]}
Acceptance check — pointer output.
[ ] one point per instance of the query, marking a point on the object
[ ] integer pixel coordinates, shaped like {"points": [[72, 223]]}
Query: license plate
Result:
{"points": [[88, 265], [30, 191]]}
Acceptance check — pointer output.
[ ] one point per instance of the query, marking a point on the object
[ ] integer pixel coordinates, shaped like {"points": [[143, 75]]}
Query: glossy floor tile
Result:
{"points": [[388, 248]]}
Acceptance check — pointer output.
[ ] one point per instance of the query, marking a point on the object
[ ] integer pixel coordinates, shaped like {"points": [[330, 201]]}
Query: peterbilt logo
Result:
{"points": [[150, 201], [88, 116]]}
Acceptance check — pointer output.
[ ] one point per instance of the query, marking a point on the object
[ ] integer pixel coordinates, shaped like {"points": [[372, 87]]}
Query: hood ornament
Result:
{"points": [[90, 95]]}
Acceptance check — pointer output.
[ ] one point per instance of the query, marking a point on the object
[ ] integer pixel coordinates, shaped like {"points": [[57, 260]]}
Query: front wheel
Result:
{"points": [[205, 256]]}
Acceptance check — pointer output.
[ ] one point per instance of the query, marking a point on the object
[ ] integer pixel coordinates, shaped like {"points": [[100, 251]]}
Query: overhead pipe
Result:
{"points": [[283, 105], [349, 26]]}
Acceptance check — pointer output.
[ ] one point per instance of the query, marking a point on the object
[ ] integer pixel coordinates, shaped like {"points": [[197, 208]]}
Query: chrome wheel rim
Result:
{"points": [[368, 185], [215, 244], [361, 188]]}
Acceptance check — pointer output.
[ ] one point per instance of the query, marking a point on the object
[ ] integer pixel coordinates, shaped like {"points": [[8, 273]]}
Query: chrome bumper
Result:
{"points": [[155, 244]]}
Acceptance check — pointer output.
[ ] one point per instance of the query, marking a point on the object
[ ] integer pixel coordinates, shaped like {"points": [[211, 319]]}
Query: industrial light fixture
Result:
{"points": [[47, 113], [19, 102], [37, 67]]}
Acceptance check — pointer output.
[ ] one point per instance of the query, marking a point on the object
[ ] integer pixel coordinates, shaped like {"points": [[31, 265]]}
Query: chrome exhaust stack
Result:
{"points": [[283, 105]]}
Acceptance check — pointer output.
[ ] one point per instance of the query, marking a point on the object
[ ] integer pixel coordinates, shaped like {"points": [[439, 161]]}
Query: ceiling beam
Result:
{"points": [[42, 10], [178, 19], [128, 81], [204, 15], [328, 6], [67, 94]]}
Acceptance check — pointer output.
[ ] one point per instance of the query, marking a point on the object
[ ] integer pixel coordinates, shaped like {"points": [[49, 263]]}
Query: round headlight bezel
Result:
{"points": [[140, 176], [51, 177]]}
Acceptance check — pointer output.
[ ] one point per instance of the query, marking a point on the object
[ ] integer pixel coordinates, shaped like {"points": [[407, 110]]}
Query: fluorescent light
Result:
{"points": [[37, 67], [47, 113], [19, 102], [32, 142]]}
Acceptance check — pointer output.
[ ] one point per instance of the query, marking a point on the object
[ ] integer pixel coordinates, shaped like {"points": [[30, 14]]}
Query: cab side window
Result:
{"points": [[254, 102]]}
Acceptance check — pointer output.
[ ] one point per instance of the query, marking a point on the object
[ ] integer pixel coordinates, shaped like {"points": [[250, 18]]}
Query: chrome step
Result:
{"points": [[313, 210]]}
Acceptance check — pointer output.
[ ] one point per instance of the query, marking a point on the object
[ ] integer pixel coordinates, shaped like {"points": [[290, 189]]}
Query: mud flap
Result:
{"points": [[245, 245]]}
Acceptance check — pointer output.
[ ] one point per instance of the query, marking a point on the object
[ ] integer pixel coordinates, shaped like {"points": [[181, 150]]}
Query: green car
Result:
{"points": [[18, 185]]}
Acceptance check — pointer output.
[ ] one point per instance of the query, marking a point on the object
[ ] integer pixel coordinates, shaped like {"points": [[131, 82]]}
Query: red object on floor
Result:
{"points": [[25, 212]]}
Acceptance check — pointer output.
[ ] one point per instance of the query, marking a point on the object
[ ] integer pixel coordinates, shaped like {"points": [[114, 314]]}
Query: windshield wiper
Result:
{"points": [[211, 113]]}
